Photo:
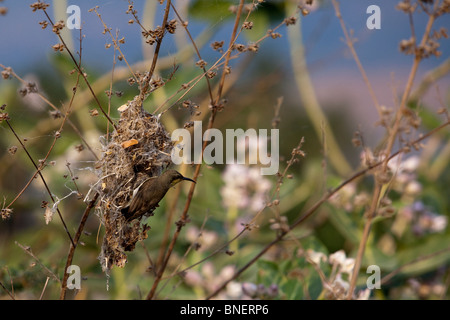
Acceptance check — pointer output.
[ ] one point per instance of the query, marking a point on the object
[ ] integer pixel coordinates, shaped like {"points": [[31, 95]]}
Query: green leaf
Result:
{"points": [[428, 256], [344, 224], [293, 290]]}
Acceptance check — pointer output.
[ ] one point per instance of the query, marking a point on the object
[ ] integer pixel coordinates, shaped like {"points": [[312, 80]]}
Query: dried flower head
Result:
{"points": [[171, 26], [290, 21], [39, 6], [12, 150], [6, 73], [57, 27], [217, 45], [201, 63], [247, 25], [58, 47], [6, 213]]}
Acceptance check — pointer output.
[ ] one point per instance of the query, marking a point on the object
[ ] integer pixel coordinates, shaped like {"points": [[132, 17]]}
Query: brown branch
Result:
{"points": [[184, 24], [393, 133], [145, 86], [349, 42], [80, 72], [184, 215], [38, 170], [7, 291], [313, 209], [74, 245], [31, 254], [41, 96]]}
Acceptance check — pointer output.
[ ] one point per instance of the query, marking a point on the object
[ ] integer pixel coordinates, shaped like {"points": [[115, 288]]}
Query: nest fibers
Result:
{"points": [[139, 147]]}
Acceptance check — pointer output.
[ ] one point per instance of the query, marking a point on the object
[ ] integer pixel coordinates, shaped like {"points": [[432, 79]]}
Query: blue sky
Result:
{"points": [[25, 46]]}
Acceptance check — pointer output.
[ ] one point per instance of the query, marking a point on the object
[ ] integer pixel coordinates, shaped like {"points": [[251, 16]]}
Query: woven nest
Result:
{"points": [[139, 147]]}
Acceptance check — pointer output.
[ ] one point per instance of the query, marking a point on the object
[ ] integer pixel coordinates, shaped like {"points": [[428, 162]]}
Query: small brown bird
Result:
{"points": [[149, 193]]}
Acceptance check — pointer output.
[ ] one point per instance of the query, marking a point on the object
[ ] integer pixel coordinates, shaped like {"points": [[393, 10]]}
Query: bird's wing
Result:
{"points": [[137, 201], [135, 191]]}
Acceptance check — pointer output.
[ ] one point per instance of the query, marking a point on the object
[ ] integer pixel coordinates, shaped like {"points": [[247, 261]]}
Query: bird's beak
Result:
{"points": [[187, 179]]}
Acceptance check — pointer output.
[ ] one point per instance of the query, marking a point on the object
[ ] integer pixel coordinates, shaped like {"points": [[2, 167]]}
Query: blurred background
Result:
{"points": [[257, 80]]}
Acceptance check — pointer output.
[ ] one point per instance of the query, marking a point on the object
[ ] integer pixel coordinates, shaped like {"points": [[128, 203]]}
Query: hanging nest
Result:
{"points": [[139, 147]]}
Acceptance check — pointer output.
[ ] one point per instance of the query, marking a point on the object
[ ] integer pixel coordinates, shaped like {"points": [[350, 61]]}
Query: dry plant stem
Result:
{"points": [[311, 210], [349, 42], [74, 245], [7, 291], [183, 23], [80, 71], [116, 45], [150, 261], [158, 47], [392, 274], [309, 98], [216, 251], [111, 83], [185, 254], [173, 207], [216, 65], [77, 131], [79, 194], [45, 287], [227, 58], [54, 140], [38, 170], [168, 226], [391, 139], [31, 254], [430, 78], [183, 218]]}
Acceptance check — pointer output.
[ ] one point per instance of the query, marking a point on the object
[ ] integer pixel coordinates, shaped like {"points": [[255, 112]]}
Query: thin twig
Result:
{"points": [[313, 209], [80, 71], [30, 253], [349, 42], [393, 273], [184, 24], [48, 102], [145, 86], [75, 243], [10, 293], [45, 287], [393, 134], [184, 215], [38, 170]]}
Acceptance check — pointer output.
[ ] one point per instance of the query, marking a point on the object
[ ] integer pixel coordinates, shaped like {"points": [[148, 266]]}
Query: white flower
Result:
{"points": [[341, 283], [413, 188], [410, 164], [244, 187], [438, 223], [338, 257], [316, 257], [364, 294], [234, 290], [346, 264], [193, 278], [227, 272], [250, 289]]}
